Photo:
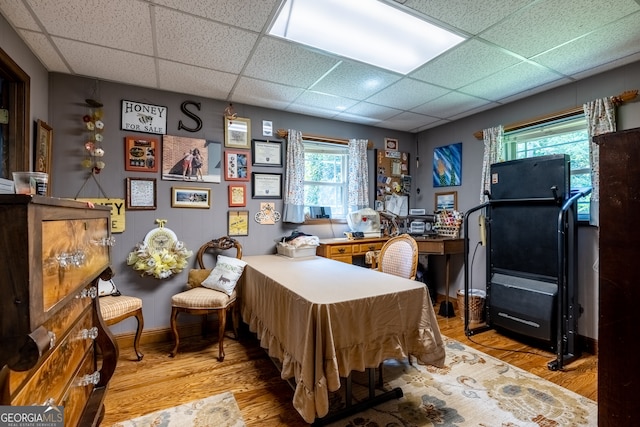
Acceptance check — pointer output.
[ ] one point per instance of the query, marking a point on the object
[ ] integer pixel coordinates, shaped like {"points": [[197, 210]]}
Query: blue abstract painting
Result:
{"points": [[447, 165]]}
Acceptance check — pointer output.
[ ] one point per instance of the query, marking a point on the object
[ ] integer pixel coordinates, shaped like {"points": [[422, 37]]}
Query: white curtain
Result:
{"points": [[358, 175], [601, 117], [493, 146], [294, 179]]}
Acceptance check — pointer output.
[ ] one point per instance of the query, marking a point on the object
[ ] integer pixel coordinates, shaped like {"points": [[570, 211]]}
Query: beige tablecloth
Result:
{"points": [[323, 318]]}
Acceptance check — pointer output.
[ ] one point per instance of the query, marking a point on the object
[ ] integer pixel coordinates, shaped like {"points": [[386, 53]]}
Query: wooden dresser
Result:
{"points": [[51, 253], [343, 249]]}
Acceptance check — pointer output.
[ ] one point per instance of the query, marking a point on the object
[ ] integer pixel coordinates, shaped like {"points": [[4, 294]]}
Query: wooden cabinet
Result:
{"points": [[342, 249], [52, 252], [619, 292]]}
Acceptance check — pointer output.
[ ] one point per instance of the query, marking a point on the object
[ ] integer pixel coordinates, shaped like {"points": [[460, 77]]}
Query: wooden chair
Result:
{"points": [[398, 256], [199, 300], [115, 309]]}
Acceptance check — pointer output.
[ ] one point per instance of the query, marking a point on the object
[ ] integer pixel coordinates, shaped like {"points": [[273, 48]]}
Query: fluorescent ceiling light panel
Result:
{"points": [[369, 31]]}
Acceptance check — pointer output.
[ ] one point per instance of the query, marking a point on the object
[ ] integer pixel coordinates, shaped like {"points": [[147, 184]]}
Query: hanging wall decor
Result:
{"points": [[160, 254], [94, 126], [447, 165]]}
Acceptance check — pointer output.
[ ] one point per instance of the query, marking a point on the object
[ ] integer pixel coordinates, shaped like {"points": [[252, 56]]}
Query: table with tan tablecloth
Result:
{"points": [[323, 319]]}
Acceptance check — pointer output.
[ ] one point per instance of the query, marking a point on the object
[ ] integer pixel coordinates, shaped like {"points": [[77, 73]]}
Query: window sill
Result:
{"points": [[321, 221]]}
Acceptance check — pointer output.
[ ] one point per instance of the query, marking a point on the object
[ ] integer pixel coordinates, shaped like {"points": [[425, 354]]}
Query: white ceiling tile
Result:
{"points": [[510, 81], [128, 26], [472, 16], [108, 64], [407, 121], [355, 80], [616, 40], [355, 118], [407, 94], [311, 111], [50, 58], [185, 38], [264, 94], [176, 77], [248, 15], [334, 103], [18, 15], [287, 63], [450, 104], [545, 24], [479, 59], [374, 111]]}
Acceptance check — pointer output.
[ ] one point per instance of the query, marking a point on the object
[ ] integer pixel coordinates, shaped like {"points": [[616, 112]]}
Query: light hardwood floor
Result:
{"points": [[158, 381]]}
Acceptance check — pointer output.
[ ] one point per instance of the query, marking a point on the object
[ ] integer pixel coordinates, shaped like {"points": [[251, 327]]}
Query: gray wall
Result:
{"points": [[59, 100]]}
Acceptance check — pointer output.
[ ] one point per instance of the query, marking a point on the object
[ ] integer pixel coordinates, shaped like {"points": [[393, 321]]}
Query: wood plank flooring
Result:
{"points": [[158, 381]]}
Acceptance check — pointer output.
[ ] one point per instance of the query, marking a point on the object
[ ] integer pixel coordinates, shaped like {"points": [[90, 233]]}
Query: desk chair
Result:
{"points": [[115, 309], [398, 256], [200, 300]]}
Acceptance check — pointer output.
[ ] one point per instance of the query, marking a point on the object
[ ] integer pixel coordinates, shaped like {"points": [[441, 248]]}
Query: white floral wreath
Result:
{"points": [[160, 254]]}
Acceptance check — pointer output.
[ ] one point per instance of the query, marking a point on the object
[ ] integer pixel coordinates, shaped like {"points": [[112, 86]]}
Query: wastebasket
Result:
{"points": [[476, 305]]}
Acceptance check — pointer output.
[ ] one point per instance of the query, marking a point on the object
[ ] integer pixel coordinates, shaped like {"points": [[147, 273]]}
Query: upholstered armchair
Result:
{"points": [[211, 290]]}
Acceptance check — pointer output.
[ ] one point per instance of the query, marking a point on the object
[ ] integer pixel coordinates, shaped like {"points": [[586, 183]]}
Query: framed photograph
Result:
{"points": [[237, 133], [236, 165], [190, 197], [145, 118], [44, 140], [237, 195], [140, 153], [191, 159], [238, 223], [391, 144], [446, 201], [447, 165], [266, 152], [266, 185], [141, 193]]}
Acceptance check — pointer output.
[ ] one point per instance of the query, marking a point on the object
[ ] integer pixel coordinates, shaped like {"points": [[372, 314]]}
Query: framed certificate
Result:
{"points": [[238, 223], [141, 193], [266, 185], [267, 152]]}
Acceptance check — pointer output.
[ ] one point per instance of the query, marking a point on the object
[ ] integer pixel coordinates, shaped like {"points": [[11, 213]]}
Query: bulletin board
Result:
{"points": [[392, 177]]}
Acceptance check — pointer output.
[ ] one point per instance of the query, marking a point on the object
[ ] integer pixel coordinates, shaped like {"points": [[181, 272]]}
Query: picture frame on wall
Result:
{"points": [[146, 118], [391, 144], [237, 195], [237, 165], [266, 185], [447, 165], [190, 197], [446, 201], [238, 223], [266, 152], [141, 153], [237, 133], [178, 153], [141, 193], [42, 152]]}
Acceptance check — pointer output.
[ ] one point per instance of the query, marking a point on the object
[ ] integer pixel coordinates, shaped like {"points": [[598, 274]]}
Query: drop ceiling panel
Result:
{"points": [[199, 81], [407, 94], [377, 112], [450, 104], [407, 120], [269, 95], [355, 80], [47, 53], [18, 15]]}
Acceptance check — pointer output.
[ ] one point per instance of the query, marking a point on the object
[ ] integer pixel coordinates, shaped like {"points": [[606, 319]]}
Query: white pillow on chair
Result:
{"points": [[225, 275]]}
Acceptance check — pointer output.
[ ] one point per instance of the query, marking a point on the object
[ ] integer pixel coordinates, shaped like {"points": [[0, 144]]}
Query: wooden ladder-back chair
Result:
{"points": [[201, 300]]}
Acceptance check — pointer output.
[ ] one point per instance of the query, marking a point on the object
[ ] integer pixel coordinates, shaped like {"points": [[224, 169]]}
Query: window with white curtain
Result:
{"points": [[562, 136], [325, 177]]}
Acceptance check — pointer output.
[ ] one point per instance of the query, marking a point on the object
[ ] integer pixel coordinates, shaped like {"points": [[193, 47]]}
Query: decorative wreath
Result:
{"points": [[160, 255]]}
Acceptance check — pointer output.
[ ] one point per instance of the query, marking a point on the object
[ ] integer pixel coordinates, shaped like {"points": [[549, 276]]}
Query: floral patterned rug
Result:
{"points": [[220, 411], [473, 389]]}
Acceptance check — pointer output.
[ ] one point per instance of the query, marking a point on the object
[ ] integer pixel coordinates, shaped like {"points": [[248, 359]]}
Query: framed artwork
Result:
{"points": [[44, 141], [190, 197], [447, 165], [237, 195], [266, 152], [145, 118], [391, 144], [237, 133], [141, 193], [446, 201], [266, 185], [238, 223], [140, 153], [236, 165], [191, 159]]}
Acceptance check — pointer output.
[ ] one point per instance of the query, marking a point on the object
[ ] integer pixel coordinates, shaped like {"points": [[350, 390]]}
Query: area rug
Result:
{"points": [[220, 411], [473, 389]]}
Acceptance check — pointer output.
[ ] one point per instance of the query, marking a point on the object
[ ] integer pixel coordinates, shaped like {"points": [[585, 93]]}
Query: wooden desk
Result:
{"points": [[343, 249]]}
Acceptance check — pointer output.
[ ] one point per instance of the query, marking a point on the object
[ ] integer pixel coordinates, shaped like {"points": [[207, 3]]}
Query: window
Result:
{"points": [[564, 136], [325, 177]]}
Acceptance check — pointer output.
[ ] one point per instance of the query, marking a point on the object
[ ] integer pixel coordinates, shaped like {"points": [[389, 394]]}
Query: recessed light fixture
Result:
{"points": [[368, 31]]}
